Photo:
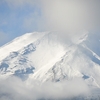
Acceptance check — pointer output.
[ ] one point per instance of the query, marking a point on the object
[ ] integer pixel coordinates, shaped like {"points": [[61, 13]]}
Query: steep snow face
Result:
{"points": [[78, 60], [74, 63], [42, 57], [19, 43], [35, 51]]}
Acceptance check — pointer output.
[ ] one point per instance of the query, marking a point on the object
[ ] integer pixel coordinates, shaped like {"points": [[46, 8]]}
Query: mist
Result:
{"points": [[70, 19], [69, 16], [14, 88]]}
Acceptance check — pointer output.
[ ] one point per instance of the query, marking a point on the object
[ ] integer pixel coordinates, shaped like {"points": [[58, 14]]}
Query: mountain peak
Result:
{"points": [[42, 57], [20, 42]]}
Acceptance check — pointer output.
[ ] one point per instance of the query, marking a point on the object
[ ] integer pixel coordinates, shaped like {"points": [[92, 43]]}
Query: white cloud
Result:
{"points": [[19, 3], [15, 89], [3, 37], [31, 21], [70, 16]]}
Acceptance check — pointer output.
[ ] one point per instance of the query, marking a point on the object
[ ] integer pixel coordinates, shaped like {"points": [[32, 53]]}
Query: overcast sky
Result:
{"points": [[72, 17]]}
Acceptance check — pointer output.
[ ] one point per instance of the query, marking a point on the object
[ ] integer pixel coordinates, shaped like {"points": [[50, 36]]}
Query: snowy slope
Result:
{"points": [[28, 52], [42, 57], [19, 43]]}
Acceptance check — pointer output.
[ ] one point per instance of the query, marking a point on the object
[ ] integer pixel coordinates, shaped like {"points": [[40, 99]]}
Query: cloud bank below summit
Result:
{"points": [[29, 90]]}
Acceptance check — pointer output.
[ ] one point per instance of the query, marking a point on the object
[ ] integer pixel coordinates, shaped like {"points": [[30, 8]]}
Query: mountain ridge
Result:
{"points": [[44, 58], [46, 61]]}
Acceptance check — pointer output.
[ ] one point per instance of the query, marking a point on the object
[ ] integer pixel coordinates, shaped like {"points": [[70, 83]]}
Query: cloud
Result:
{"points": [[13, 88], [3, 37], [19, 3], [70, 17], [32, 21]]}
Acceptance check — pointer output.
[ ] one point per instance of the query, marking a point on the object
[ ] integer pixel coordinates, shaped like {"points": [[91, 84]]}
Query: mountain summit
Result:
{"points": [[41, 56]]}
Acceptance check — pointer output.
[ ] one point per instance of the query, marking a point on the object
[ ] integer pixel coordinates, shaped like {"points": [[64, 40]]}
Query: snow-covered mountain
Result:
{"points": [[40, 56]]}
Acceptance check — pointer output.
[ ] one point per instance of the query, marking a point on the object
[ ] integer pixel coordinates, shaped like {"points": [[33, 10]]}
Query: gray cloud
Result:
{"points": [[66, 15], [71, 17]]}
